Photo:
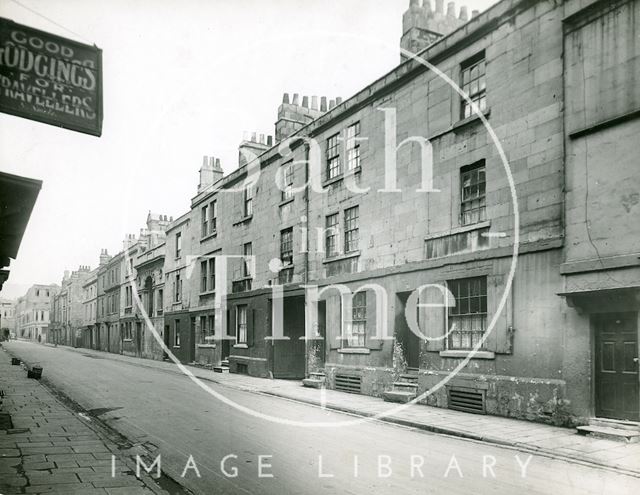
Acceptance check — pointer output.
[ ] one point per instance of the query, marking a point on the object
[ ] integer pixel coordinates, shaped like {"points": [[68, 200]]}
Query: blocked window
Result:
{"points": [[473, 82], [467, 319], [473, 188]]}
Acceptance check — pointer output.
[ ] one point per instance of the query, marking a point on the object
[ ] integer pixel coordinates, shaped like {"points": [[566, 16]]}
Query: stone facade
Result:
{"points": [[67, 309], [33, 312], [414, 193], [7, 318]]}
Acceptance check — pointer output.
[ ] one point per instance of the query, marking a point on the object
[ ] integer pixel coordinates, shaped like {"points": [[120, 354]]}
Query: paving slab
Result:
{"points": [[51, 450]]}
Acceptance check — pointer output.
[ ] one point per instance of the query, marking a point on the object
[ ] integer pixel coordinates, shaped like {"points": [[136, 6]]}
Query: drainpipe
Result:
{"points": [[306, 250]]}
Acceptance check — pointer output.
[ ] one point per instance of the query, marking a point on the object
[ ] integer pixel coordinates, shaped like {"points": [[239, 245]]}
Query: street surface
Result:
{"points": [[171, 417]]}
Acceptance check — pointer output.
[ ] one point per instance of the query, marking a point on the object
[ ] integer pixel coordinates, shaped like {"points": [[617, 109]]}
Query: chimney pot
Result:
{"points": [[338, 100], [295, 98], [323, 104], [269, 140], [474, 13], [217, 167], [305, 101], [285, 98], [426, 6], [464, 13], [440, 6], [253, 137], [261, 138], [205, 160], [451, 9], [332, 103], [314, 103]]}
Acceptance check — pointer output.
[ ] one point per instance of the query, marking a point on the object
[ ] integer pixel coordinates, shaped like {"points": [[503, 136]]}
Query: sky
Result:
{"points": [[182, 79]]}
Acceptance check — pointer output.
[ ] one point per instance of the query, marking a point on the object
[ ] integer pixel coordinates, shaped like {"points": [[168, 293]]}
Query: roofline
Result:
{"points": [[442, 49]]}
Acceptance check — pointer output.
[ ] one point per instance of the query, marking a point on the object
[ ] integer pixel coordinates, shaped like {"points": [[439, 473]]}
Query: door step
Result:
{"points": [[615, 423], [405, 389], [315, 380], [399, 396], [221, 369], [620, 434]]}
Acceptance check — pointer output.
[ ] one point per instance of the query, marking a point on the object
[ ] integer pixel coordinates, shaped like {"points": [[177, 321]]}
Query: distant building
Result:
{"points": [[33, 311], [67, 309], [7, 318], [90, 310], [142, 292]]}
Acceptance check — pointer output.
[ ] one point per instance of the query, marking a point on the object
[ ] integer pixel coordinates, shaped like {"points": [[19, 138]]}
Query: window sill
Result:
{"points": [[209, 236], [285, 202], [206, 346], [459, 230], [240, 346], [208, 293], [127, 340], [462, 123], [176, 347], [354, 350], [333, 180], [470, 119], [464, 354], [341, 257], [354, 171], [244, 220]]}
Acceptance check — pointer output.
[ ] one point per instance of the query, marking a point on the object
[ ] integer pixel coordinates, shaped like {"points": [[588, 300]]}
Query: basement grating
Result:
{"points": [[466, 400], [348, 383]]}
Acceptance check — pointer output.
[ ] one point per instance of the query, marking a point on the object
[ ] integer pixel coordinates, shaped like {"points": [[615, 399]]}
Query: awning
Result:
{"points": [[604, 300], [17, 198]]}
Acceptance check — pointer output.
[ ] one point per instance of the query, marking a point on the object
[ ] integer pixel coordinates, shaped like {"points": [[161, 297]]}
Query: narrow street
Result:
{"points": [[172, 417]]}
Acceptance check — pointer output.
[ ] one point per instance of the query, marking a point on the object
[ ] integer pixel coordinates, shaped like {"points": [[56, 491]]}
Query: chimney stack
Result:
{"points": [[292, 116], [421, 27], [104, 257]]}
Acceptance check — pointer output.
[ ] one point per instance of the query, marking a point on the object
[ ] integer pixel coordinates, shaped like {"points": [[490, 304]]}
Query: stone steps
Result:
{"points": [[316, 379], [399, 396], [405, 389], [606, 432]]}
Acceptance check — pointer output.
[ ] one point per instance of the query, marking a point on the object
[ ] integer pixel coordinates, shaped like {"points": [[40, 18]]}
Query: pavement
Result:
{"points": [[542, 439], [48, 448], [152, 403]]}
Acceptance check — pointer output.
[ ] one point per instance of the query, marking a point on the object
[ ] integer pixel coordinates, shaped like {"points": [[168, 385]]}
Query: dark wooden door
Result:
{"points": [[139, 338], [289, 355], [192, 341], [410, 341], [616, 376]]}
